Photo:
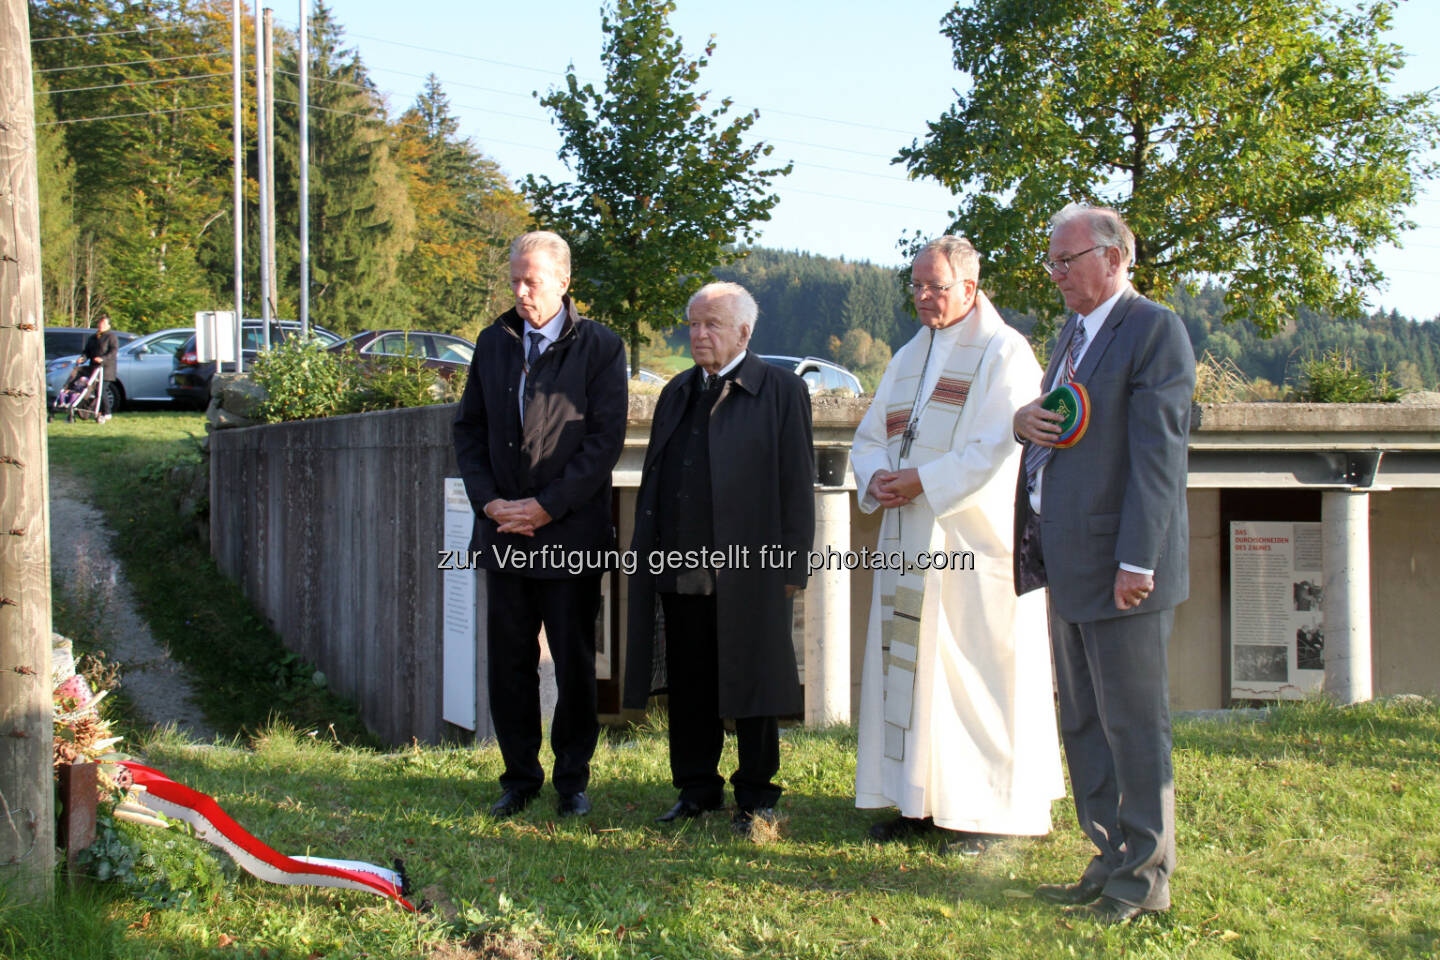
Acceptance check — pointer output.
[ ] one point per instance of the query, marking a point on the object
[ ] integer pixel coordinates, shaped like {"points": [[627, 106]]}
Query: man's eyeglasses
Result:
{"points": [[917, 288], [1061, 265]]}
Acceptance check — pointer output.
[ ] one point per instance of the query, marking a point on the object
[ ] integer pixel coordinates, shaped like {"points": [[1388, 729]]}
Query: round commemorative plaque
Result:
{"points": [[1072, 402]]}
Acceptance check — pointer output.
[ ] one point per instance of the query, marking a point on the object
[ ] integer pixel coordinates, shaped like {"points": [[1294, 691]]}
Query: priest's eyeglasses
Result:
{"points": [[1061, 265], [919, 287]]}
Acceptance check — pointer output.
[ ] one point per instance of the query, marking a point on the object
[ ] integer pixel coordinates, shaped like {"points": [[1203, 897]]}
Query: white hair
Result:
{"points": [[1107, 227], [739, 305], [551, 243], [964, 258]]}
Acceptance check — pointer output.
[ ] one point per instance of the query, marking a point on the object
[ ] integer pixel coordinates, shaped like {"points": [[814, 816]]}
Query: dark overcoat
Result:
{"points": [[563, 453], [762, 475]]}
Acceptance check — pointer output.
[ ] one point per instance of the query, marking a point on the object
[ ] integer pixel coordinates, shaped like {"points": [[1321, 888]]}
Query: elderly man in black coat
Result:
{"points": [[724, 524], [539, 429]]}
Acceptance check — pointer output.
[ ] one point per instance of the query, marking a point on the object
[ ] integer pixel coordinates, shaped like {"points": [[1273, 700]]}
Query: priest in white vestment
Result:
{"points": [[957, 715]]}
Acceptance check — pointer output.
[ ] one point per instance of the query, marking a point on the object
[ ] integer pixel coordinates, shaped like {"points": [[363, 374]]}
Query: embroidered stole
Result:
{"points": [[902, 592]]}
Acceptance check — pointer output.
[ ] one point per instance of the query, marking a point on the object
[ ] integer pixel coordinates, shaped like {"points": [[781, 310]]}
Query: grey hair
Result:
{"points": [[1107, 227], [740, 305], [964, 258], [551, 243]]}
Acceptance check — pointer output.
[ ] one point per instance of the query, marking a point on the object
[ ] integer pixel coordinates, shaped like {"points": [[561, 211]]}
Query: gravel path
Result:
{"points": [[80, 551]]}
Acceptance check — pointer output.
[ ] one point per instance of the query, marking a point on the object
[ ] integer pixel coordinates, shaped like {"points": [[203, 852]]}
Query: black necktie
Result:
{"points": [[712, 381], [534, 354]]}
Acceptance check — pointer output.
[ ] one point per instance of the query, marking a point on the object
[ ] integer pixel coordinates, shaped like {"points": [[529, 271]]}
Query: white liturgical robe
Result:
{"points": [[957, 715]]}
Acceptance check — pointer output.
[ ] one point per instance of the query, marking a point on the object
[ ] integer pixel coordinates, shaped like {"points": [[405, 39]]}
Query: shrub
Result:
{"points": [[391, 382], [302, 381], [1222, 381], [1335, 377]]}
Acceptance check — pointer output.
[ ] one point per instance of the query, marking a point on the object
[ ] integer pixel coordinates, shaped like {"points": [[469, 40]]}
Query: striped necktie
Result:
{"points": [[1037, 456]]}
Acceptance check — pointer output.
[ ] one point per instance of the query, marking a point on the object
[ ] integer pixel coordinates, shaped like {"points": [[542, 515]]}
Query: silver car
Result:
{"points": [[142, 368]]}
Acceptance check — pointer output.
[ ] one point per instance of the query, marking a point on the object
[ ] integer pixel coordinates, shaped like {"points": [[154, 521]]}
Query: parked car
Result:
{"points": [[70, 341], [444, 352], [142, 367], [190, 379], [650, 376], [821, 376]]}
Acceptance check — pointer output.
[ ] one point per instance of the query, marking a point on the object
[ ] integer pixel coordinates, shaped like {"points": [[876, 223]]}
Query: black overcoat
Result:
{"points": [[564, 452], [762, 475]]}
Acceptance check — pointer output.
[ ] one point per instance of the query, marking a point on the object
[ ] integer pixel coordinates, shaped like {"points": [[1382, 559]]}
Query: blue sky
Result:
{"points": [[840, 85]]}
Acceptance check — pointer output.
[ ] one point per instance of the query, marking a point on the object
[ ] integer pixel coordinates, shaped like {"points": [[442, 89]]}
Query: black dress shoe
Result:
{"points": [[512, 802], [573, 804], [745, 819], [684, 810], [1108, 910], [1070, 893], [899, 828], [962, 843]]}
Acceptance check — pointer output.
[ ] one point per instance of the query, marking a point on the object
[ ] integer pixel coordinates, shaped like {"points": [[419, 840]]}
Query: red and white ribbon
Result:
{"points": [[214, 825]]}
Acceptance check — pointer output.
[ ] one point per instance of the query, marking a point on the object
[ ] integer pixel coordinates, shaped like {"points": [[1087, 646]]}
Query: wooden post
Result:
{"points": [[79, 801], [27, 815]]}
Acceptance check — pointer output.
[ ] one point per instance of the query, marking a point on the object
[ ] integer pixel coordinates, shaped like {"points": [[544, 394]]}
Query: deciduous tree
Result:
{"points": [[1254, 141], [665, 183]]}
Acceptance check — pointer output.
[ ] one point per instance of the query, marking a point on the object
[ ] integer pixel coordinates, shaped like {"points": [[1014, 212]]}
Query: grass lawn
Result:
{"points": [[245, 676], [1313, 833]]}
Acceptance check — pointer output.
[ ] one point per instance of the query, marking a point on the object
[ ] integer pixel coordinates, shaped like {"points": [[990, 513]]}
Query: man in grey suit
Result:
{"points": [[1104, 524]]}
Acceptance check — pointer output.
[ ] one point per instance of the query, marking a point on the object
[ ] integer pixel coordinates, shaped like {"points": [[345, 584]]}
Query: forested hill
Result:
{"points": [[806, 300]]}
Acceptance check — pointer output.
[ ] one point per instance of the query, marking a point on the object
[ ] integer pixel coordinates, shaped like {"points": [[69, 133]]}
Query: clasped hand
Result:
{"points": [[517, 516], [895, 488]]}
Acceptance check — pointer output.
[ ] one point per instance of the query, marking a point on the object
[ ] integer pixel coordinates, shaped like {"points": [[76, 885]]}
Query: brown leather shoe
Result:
{"points": [[1070, 893], [1109, 911]]}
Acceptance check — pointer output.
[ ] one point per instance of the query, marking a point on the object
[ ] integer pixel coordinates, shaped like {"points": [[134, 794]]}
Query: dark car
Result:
{"points": [[190, 379], [820, 376], [63, 346], [443, 352], [69, 341]]}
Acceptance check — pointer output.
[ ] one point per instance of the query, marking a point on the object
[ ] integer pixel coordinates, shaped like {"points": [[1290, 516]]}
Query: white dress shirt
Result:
{"points": [[550, 332]]}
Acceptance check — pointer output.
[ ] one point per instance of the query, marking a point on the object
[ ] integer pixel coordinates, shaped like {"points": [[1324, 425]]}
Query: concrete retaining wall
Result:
{"points": [[333, 528]]}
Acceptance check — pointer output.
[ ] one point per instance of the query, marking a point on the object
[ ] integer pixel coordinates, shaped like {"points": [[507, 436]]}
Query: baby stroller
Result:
{"points": [[81, 395]]}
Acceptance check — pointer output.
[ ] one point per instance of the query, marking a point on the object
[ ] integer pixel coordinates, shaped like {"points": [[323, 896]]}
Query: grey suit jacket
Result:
{"points": [[1119, 494]]}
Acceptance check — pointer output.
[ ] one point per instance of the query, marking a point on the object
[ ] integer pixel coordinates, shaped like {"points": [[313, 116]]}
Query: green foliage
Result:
{"points": [[152, 174], [662, 189], [112, 856], [1219, 380], [807, 300], [865, 356], [390, 382], [1308, 833], [1255, 141], [457, 274], [303, 381], [198, 614], [1336, 378], [362, 220]]}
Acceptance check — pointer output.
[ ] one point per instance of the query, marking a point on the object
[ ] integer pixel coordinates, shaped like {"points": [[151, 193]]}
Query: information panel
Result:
{"points": [[1277, 632], [458, 593]]}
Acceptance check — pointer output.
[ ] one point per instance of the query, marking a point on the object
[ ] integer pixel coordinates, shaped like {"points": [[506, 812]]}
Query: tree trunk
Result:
{"points": [[27, 817]]}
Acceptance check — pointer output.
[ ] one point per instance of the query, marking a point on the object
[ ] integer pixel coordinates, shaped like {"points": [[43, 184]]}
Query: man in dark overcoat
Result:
{"points": [[724, 523], [540, 427]]}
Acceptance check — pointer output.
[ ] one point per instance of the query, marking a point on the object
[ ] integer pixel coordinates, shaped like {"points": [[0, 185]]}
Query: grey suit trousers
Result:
{"points": [[1115, 720]]}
